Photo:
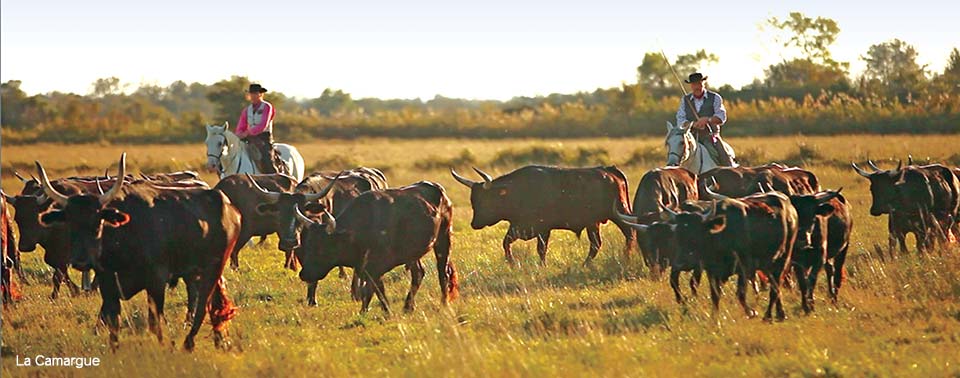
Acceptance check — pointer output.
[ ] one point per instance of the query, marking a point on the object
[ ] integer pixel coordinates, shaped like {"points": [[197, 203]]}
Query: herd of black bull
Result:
{"points": [[749, 222]]}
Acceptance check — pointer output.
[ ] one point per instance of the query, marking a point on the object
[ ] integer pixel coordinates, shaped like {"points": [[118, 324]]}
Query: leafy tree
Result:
{"points": [[812, 36], [332, 101], [106, 86], [229, 98], [654, 73], [952, 70], [892, 66], [799, 77]]}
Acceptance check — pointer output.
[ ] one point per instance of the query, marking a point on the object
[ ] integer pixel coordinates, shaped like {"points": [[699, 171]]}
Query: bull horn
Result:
{"points": [[463, 180], [52, 193], [106, 172], [303, 218], [623, 217], [329, 221], [909, 159], [323, 193], [487, 180], [860, 171], [638, 227], [17, 174], [272, 197], [711, 211], [7, 197], [899, 165], [714, 196], [874, 166], [828, 195], [673, 214], [122, 172], [99, 188]]}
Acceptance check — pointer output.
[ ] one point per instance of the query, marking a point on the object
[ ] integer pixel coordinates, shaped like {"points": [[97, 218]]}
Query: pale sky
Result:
{"points": [[491, 49]]}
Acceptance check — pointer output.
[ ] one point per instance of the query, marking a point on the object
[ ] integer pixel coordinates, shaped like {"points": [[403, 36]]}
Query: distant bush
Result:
{"points": [[645, 156], [551, 156], [466, 158], [164, 115]]}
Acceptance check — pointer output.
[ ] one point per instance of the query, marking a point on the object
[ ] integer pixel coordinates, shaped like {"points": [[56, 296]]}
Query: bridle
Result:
{"points": [[683, 144], [220, 156]]}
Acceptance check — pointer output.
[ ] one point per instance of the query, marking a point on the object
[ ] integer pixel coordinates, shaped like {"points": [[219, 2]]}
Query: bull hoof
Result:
{"points": [[312, 302], [218, 340], [752, 314], [188, 344]]}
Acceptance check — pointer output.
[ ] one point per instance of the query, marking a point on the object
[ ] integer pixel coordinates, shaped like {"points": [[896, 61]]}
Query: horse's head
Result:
{"points": [[680, 143], [216, 145]]}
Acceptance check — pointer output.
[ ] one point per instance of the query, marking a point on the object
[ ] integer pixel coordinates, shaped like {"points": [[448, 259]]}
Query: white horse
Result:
{"points": [[227, 154], [683, 150]]}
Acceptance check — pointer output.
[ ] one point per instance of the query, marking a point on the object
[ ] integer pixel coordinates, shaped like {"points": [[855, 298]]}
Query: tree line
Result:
{"points": [[810, 94]]}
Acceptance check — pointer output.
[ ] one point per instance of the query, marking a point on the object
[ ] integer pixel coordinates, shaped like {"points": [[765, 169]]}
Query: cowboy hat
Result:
{"points": [[695, 77], [256, 88]]}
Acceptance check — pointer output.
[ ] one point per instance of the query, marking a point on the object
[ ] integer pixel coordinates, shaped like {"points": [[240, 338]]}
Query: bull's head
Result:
{"points": [[812, 209], [488, 199], [881, 186], [695, 233], [27, 210], [318, 244], [85, 215], [284, 206]]}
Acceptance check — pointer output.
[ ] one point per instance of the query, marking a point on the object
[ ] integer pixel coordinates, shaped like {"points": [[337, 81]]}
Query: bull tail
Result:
{"points": [[220, 308], [453, 282]]}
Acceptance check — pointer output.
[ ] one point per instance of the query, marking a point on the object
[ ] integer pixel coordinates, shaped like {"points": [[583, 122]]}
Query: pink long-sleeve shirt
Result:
{"points": [[265, 109]]}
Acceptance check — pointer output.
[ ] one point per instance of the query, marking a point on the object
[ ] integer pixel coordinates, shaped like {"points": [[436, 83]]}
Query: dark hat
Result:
{"points": [[695, 77], [256, 88]]}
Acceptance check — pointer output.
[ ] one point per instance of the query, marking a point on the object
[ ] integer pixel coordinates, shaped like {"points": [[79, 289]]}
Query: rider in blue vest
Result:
{"points": [[706, 118]]}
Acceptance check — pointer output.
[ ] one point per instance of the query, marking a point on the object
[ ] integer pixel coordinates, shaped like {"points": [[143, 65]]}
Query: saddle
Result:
{"points": [[272, 164], [720, 152]]}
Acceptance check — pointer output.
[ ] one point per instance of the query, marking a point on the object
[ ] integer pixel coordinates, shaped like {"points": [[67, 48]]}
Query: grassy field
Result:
{"points": [[896, 317]]}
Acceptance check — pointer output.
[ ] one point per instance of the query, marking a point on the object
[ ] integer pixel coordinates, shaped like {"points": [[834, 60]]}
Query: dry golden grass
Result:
{"points": [[895, 318]]}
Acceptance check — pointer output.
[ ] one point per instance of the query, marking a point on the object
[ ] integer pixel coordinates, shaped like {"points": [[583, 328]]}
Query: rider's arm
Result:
{"points": [[719, 112], [682, 113], [267, 115], [242, 124]]}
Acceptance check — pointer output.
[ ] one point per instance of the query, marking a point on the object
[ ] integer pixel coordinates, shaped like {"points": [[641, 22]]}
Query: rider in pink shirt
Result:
{"points": [[256, 127]]}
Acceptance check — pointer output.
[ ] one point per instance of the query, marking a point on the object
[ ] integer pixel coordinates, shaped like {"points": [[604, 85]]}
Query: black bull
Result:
{"points": [[153, 237], [378, 231], [824, 225], [243, 193], [739, 237], [322, 194], [659, 188], [744, 181], [537, 199], [924, 200], [31, 202], [346, 185]]}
